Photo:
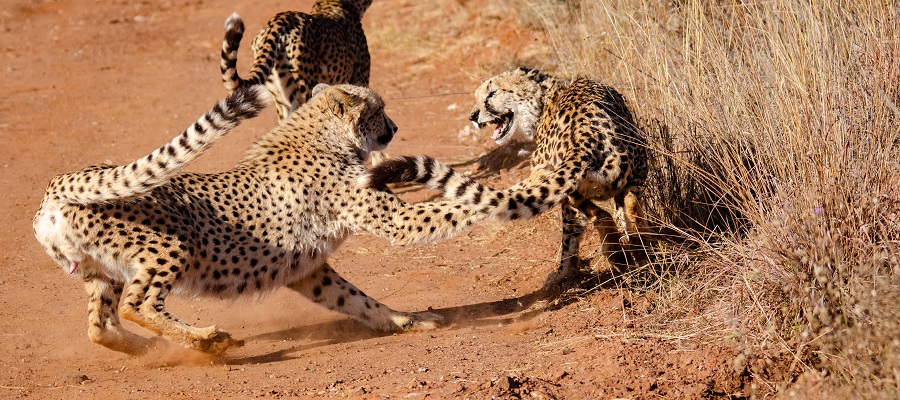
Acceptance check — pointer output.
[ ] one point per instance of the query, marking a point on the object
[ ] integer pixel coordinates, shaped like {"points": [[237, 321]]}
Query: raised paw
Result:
{"points": [[422, 321], [216, 342]]}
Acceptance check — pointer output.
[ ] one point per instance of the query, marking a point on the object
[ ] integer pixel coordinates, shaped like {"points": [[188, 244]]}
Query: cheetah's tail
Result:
{"points": [[403, 169], [522, 201], [433, 174], [234, 31], [107, 183]]}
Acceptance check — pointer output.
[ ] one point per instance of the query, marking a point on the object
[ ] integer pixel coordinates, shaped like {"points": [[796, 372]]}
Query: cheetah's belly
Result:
{"points": [[601, 184], [255, 270]]}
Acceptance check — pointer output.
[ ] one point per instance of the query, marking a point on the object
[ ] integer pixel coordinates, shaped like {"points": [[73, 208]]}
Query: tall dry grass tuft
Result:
{"points": [[776, 129]]}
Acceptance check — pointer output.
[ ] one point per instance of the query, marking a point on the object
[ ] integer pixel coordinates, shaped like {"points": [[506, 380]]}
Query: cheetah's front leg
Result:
{"points": [[326, 287], [573, 225], [145, 305]]}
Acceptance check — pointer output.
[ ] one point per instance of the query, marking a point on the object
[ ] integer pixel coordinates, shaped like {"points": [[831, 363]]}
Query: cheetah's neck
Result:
{"points": [[552, 87]]}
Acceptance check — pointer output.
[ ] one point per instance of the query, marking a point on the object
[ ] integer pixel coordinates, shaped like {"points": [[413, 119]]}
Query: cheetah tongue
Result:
{"points": [[72, 267], [498, 131]]}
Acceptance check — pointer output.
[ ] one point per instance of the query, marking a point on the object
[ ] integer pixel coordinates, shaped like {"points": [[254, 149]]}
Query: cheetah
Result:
{"points": [[295, 51], [587, 149], [138, 232]]}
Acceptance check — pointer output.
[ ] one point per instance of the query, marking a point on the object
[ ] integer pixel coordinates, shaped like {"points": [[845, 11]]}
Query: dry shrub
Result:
{"points": [[775, 128]]}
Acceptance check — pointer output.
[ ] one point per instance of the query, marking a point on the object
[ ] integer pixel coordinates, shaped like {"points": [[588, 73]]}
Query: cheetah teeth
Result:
{"points": [[502, 128], [475, 124]]}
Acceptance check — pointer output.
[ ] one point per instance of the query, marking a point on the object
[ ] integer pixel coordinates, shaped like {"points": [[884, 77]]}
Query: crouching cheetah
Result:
{"points": [[144, 230], [587, 149], [295, 51]]}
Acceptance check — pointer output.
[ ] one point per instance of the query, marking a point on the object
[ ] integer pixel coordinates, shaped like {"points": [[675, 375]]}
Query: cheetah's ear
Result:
{"points": [[533, 74], [340, 101], [320, 87]]}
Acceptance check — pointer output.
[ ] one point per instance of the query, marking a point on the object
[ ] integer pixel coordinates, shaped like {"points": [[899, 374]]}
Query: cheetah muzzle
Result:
{"points": [[503, 125]]}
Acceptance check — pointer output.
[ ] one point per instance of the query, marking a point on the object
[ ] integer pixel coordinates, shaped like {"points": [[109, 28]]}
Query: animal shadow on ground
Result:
{"points": [[504, 311]]}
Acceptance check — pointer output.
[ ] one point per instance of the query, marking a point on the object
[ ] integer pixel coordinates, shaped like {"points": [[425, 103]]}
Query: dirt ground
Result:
{"points": [[90, 82]]}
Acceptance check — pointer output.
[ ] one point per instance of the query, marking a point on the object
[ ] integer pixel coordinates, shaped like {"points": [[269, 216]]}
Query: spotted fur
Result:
{"points": [[588, 149], [295, 51], [139, 232]]}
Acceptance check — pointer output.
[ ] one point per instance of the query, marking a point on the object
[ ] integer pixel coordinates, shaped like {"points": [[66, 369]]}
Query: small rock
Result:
{"points": [[75, 379], [507, 383]]}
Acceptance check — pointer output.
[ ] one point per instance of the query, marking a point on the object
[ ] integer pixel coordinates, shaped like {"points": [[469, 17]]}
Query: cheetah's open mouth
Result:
{"points": [[503, 125]]}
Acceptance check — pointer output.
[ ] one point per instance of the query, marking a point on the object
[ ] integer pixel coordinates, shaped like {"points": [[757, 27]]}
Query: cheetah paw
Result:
{"points": [[216, 342], [555, 278], [422, 321]]}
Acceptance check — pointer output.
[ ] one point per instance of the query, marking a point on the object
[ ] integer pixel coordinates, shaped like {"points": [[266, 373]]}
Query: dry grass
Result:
{"points": [[776, 129]]}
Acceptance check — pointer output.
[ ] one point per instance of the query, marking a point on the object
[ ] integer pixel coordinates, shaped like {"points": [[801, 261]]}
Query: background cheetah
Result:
{"points": [[587, 149], [143, 230], [296, 51]]}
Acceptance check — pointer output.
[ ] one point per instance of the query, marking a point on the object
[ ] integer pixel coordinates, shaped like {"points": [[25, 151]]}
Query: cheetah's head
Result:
{"points": [[511, 101], [361, 110], [331, 7], [360, 5]]}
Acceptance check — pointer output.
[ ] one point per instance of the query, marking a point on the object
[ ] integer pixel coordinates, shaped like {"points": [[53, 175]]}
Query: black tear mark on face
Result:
{"points": [[488, 107]]}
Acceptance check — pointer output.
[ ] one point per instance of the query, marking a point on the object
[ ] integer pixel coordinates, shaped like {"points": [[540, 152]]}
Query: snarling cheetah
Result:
{"points": [[587, 149], [295, 51], [143, 230]]}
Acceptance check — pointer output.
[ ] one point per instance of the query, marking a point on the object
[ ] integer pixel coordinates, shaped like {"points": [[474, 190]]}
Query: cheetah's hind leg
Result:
{"points": [[577, 212], [328, 289], [281, 89], [144, 304], [104, 327], [635, 224]]}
